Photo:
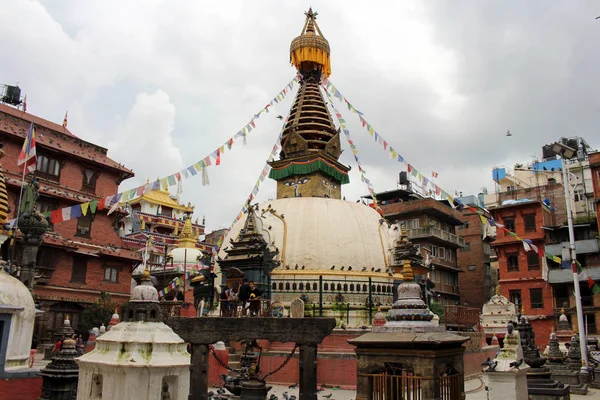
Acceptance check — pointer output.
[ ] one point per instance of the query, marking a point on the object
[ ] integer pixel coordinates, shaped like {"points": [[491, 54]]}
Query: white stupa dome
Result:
{"points": [[16, 299], [319, 232], [144, 291]]}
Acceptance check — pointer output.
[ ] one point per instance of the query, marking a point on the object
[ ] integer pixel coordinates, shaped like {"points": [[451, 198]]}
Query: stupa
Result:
{"points": [[60, 376], [140, 358], [496, 314], [17, 311], [565, 332], [308, 231], [114, 320], [408, 334]]}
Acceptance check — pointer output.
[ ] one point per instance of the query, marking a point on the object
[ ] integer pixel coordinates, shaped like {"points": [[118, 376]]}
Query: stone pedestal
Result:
{"points": [[541, 385], [508, 385]]}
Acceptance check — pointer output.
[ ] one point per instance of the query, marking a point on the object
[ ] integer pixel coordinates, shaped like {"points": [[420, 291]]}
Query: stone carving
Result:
{"points": [[531, 353], [511, 352], [61, 374], [277, 309], [297, 308], [497, 313]]}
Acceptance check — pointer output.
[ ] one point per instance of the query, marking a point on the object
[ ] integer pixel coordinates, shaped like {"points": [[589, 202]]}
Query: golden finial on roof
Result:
{"points": [[67, 317], [498, 292], [116, 310], [522, 309], [310, 51], [146, 274], [407, 272], [186, 237], [403, 233]]}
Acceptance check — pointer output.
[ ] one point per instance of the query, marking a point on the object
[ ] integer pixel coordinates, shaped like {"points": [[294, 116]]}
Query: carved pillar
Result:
{"points": [[199, 372], [33, 225], [308, 371]]}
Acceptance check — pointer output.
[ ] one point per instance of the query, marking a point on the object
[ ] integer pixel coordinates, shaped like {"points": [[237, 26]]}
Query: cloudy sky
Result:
{"points": [[162, 84]]}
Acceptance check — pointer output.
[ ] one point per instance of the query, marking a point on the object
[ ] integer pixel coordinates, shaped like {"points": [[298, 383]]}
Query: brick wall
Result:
{"points": [[553, 191], [595, 167], [476, 286], [21, 389]]}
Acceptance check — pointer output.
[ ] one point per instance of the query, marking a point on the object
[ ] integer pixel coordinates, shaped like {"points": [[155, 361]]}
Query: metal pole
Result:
{"points": [[370, 303], [580, 321], [321, 296]]}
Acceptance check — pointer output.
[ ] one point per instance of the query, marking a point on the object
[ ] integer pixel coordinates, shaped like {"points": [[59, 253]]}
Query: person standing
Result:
{"points": [[33, 351], [255, 294], [244, 295], [79, 345]]}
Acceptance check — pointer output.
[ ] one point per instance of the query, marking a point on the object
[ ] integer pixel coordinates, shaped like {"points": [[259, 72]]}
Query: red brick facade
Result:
{"points": [[476, 280], [595, 168], [76, 261], [521, 273]]}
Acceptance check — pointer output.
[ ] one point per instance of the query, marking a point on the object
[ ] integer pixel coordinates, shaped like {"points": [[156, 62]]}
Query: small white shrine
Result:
{"points": [[496, 314], [17, 318], [140, 358]]}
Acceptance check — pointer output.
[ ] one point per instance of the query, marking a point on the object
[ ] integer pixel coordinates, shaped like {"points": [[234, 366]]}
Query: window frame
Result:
{"points": [[508, 222], [89, 187], [514, 268], [513, 294], [530, 227], [79, 262], [539, 304], [530, 256], [114, 270], [78, 230], [42, 170]]}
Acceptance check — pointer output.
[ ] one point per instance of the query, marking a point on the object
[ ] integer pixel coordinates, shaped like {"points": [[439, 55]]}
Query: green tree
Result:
{"points": [[438, 309], [100, 312]]}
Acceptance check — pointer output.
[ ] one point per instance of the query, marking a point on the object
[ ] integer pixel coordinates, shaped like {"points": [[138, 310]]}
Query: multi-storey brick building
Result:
{"points": [[595, 168], [524, 274], [432, 226], [477, 279], [80, 257]]}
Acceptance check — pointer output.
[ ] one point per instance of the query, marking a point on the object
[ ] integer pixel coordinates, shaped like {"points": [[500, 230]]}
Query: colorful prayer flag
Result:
{"points": [[28, 158]]}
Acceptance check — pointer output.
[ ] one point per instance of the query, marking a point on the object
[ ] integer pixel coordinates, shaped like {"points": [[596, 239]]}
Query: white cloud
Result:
{"points": [[144, 138]]}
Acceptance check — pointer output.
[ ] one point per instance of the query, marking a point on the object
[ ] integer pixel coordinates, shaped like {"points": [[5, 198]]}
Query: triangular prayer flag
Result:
{"points": [[84, 208], [591, 282], [596, 289], [94, 205], [100, 203], [218, 158]]}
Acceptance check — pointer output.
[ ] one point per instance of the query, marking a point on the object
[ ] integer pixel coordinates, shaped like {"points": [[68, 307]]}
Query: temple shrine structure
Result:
{"points": [[155, 226], [308, 242], [495, 316]]}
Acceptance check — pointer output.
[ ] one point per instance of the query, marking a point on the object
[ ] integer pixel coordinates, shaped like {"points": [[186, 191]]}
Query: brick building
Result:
{"points": [[523, 275], [431, 225], [477, 279], [82, 256], [595, 168]]}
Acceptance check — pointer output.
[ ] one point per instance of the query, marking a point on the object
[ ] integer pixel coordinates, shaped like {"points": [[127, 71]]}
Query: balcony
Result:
{"points": [[436, 234], [581, 247]]}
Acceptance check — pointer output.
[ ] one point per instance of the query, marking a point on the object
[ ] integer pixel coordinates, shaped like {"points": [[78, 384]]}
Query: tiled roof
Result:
{"points": [[163, 198], [53, 136]]}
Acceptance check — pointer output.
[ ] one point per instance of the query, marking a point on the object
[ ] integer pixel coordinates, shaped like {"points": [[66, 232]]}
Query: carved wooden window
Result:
{"points": [[84, 225], [48, 168], [79, 269], [89, 180], [512, 262], [536, 297]]}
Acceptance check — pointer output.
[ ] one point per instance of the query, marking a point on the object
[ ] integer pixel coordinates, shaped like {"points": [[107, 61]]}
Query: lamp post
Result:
{"points": [[566, 153]]}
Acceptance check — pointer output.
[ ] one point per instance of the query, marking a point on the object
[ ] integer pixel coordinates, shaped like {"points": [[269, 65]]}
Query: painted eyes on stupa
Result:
{"points": [[300, 182]]}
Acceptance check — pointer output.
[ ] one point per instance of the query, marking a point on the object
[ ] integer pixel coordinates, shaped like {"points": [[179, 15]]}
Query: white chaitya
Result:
{"points": [[497, 313], [140, 358], [17, 314]]}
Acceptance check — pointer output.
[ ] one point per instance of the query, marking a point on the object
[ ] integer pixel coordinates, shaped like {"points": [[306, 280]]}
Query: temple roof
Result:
{"points": [[49, 135], [163, 198]]}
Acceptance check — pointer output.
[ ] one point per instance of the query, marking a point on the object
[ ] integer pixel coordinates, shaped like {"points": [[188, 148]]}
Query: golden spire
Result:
{"points": [[562, 310], [146, 274], [309, 51], [403, 233], [522, 309], [186, 237], [407, 272], [498, 292]]}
